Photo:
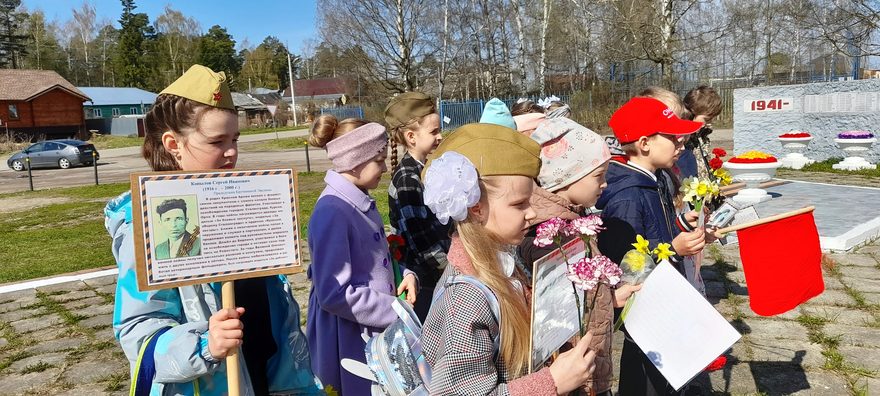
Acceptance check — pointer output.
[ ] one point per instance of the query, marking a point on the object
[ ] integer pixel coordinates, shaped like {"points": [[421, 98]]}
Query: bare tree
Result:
{"points": [[178, 33], [84, 25]]}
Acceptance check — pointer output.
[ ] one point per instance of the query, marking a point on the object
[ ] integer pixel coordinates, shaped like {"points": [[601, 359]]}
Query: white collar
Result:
{"points": [[634, 165]]}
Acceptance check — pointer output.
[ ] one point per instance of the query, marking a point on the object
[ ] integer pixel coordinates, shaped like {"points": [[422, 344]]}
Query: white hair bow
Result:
{"points": [[546, 102], [451, 187]]}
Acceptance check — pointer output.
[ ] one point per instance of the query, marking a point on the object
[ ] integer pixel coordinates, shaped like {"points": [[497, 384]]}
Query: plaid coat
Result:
{"points": [[427, 240], [457, 340]]}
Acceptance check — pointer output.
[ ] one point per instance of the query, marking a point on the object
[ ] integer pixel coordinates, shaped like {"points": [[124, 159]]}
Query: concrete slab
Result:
{"points": [[846, 216]]}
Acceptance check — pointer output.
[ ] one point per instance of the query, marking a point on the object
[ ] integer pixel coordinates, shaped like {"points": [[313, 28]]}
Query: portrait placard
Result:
{"points": [[554, 310], [210, 226]]}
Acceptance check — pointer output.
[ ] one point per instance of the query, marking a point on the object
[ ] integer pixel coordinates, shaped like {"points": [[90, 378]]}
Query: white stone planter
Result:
{"points": [[752, 175], [795, 159], [856, 150]]}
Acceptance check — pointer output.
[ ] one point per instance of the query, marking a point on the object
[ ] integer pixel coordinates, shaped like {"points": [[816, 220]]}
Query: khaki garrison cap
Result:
{"points": [[407, 107], [494, 150], [202, 85]]}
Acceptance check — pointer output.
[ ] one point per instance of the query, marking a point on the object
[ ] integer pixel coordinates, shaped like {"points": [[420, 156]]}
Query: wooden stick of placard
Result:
{"points": [[232, 364], [765, 220]]}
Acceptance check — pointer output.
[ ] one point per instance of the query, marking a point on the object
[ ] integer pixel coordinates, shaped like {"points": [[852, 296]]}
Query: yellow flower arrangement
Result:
{"points": [[722, 176], [754, 154]]}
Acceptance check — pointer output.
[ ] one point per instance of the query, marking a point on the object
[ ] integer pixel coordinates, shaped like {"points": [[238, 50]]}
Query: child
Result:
{"points": [[633, 203], [352, 277], [703, 104], [574, 160], [193, 126], [525, 106], [415, 124], [482, 178], [496, 112]]}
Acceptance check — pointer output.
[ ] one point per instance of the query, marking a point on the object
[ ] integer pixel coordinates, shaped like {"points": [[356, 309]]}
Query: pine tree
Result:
{"points": [[13, 43], [132, 53], [217, 51]]}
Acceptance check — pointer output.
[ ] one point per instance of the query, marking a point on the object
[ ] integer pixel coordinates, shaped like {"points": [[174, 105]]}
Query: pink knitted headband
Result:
{"points": [[357, 147]]}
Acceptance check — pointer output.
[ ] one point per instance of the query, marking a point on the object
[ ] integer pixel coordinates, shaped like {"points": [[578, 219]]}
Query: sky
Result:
{"points": [[292, 21]]}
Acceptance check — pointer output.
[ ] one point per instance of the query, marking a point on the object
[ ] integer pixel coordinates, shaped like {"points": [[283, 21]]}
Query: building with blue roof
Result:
{"points": [[113, 102]]}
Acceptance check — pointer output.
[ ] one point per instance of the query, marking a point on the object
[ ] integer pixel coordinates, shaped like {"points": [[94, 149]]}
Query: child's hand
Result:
{"points": [[692, 217], [572, 368], [408, 285], [623, 292], [689, 243], [225, 332], [712, 234]]}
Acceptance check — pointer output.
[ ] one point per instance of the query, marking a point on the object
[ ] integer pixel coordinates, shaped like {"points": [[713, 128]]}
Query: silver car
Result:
{"points": [[62, 153]]}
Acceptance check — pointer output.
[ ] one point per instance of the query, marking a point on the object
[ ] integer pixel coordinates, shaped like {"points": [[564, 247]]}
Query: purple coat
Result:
{"points": [[352, 281]]}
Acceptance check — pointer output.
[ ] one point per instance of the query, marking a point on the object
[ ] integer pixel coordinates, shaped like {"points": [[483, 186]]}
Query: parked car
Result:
{"points": [[61, 153]]}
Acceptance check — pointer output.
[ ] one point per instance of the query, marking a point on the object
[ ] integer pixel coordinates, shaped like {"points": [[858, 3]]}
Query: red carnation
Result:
{"points": [[396, 240], [715, 163], [719, 152], [717, 364], [217, 96]]}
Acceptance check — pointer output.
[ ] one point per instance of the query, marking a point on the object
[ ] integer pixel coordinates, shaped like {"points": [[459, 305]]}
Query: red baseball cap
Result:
{"points": [[648, 116]]}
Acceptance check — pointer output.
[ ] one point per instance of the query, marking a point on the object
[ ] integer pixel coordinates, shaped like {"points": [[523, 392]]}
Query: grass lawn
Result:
{"points": [[110, 142], [69, 235], [825, 166], [281, 144]]}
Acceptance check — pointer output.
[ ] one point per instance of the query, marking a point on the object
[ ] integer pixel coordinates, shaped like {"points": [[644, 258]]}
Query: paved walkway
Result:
{"points": [[57, 340]]}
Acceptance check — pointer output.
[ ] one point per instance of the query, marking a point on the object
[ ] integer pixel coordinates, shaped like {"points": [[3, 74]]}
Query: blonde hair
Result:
{"points": [[669, 98], [327, 128], [482, 246]]}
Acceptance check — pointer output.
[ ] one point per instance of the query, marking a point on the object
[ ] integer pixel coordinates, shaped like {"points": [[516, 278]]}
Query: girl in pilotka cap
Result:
{"points": [[476, 336], [193, 126], [415, 125], [351, 272]]}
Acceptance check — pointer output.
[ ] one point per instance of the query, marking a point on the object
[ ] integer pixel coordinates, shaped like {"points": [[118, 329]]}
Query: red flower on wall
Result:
{"points": [[715, 163], [719, 152]]}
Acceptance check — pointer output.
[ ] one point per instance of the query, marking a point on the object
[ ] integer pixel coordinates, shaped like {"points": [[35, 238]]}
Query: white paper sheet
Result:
{"points": [[676, 327]]}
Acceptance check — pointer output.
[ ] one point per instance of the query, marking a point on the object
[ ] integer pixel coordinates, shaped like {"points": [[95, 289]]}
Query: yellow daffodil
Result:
{"points": [[633, 262], [330, 391], [663, 252], [641, 244], [723, 176], [702, 189]]}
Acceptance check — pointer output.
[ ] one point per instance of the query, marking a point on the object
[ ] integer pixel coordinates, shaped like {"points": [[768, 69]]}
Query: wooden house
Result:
{"points": [[36, 104]]}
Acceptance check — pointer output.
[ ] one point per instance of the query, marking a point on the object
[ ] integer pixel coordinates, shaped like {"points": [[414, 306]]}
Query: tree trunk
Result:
{"points": [[518, 4], [544, 25]]}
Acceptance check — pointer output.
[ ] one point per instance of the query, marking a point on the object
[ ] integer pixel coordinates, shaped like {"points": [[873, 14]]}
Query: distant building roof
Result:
{"points": [[261, 91], [16, 84], [108, 96], [321, 87], [247, 102], [268, 99]]}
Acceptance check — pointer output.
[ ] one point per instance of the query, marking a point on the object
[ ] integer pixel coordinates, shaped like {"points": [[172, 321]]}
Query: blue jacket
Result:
{"points": [[633, 203], [181, 368]]}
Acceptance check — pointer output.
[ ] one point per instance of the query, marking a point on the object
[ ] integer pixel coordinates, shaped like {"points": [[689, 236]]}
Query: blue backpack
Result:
{"points": [[395, 362]]}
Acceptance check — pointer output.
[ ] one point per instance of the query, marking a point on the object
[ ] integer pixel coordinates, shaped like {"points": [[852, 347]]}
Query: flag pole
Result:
{"points": [[765, 220]]}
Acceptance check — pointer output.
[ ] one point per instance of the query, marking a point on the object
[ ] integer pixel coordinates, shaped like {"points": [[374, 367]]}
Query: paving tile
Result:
{"points": [[74, 295], [36, 323], [854, 259], [91, 370], [59, 344], [102, 281], [860, 272], [21, 383], [63, 287], [55, 359], [854, 335], [840, 315]]}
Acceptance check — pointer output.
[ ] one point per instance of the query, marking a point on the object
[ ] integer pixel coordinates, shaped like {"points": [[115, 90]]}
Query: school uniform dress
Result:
{"points": [[427, 240], [183, 363], [352, 281], [636, 202]]}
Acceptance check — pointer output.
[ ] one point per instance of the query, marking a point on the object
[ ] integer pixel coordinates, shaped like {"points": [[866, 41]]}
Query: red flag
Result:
{"points": [[782, 262]]}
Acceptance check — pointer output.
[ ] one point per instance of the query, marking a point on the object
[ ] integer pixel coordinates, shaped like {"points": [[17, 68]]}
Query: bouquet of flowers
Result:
{"points": [[587, 273], [638, 263], [855, 135], [794, 135], [395, 251], [753, 157], [701, 191]]}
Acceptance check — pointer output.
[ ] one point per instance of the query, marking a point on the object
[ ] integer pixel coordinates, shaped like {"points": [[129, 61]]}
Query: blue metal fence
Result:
{"points": [[343, 112], [463, 112]]}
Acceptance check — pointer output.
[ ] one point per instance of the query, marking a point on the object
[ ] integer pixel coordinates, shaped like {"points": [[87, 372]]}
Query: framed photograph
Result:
{"points": [[554, 310], [211, 226]]}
